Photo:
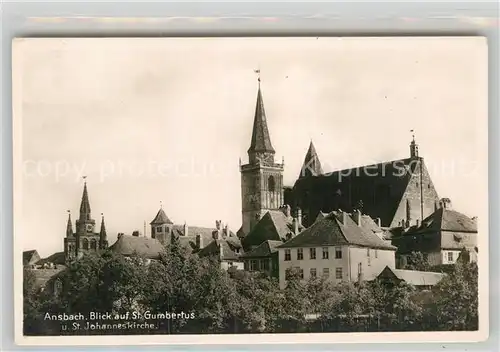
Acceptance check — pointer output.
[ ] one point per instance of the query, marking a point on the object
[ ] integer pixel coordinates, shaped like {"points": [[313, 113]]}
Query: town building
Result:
{"points": [[30, 257], [225, 247], [422, 280], [144, 247], [339, 247], [263, 258], [441, 237]]}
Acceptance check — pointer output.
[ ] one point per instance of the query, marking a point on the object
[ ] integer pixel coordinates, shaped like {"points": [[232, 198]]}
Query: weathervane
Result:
{"points": [[413, 134], [84, 179], [257, 71]]}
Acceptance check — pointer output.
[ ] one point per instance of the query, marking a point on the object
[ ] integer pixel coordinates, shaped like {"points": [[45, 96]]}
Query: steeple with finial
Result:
{"points": [[103, 238], [261, 148], [262, 178], [413, 146], [85, 223], [69, 226]]}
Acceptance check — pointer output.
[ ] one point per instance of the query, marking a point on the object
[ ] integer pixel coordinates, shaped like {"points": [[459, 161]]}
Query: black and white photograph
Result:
{"points": [[251, 188]]}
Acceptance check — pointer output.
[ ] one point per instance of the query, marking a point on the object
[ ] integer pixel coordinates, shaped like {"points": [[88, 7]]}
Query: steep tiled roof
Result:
{"points": [[56, 258], [161, 218], [143, 246], [379, 186], [213, 248], [28, 255], [413, 277], [261, 141], [436, 232], [331, 231], [448, 220], [274, 226], [265, 249]]}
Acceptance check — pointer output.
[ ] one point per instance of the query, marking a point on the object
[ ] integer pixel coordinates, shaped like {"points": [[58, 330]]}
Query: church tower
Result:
{"points": [[261, 178], [69, 242], [87, 240]]}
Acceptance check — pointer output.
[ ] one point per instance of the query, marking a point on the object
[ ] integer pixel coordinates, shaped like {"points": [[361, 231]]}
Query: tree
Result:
{"points": [[417, 261], [457, 299], [296, 303]]}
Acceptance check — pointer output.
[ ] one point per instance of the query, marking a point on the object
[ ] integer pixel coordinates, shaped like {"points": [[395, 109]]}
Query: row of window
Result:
{"points": [[312, 253], [92, 244], [258, 265], [325, 254], [326, 273]]}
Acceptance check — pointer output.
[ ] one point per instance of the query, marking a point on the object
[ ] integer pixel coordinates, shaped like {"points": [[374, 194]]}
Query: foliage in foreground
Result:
{"points": [[243, 302]]}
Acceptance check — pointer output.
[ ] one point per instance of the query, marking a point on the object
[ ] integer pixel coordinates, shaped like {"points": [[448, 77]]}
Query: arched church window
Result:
{"points": [[271, 183], [93, 244], [85, 243]]}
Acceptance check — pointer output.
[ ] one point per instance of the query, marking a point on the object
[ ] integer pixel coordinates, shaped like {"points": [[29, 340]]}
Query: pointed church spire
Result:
{"points": [[69, 226], [85, 204], [261, 141], [312, 165], [413, 146], [102, 234]]}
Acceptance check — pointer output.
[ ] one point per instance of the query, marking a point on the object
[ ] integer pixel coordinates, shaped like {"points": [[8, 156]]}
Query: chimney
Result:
{"points": [[226, 231], [445, 203], [287, 210], [417, 222], [186, 229], [299, 216], [357, 217], [120, 235], [221, 251], [135, 233], [343, 216], [199, 241], [218, 224], [379, 222], [295, 224]]}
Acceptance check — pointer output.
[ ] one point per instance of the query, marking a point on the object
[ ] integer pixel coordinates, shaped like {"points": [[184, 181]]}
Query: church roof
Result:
{"points": [[161, 218], [412, 277], [336, 229], [274, 225], [311, 165], [261, 141], [142, 246], [85, 204], [379, 186], [265, 249]]}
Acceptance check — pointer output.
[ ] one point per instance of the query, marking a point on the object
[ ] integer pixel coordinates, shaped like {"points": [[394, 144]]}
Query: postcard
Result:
{"points": [[250, 190]]}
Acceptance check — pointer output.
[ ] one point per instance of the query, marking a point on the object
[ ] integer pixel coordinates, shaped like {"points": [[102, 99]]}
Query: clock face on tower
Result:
{"points": [[89, 228]]}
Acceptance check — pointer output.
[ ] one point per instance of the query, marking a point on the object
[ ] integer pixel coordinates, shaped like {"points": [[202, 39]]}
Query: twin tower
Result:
{"points": [[262, 178]]}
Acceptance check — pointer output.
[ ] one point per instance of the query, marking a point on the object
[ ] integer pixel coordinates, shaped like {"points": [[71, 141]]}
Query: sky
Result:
{"points": [[165, 121]]}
